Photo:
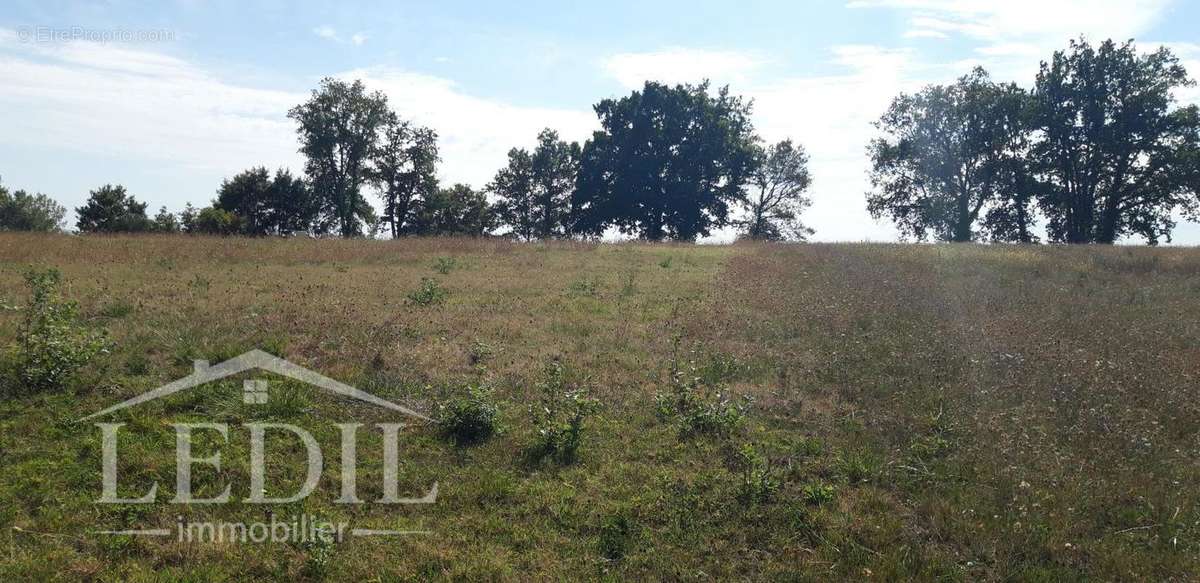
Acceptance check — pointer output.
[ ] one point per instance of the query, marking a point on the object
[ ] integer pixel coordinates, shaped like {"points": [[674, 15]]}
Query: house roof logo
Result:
{"points": [[255, 391]]}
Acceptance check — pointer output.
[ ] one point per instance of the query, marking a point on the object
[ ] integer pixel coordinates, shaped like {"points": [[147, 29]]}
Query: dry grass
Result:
{"points": [[979, 413]]}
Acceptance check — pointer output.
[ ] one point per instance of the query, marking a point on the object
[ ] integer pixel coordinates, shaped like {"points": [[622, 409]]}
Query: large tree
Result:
{"points": [[339, 127], [405, 171], [776, 197], [1116, 156], [110, 209], [669, 162], [458, 210], [21, 211], [266, 205], [535, 188], [947, 153]]}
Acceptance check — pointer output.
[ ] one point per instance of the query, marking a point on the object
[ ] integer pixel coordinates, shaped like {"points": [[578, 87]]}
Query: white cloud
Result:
{"points": [[180, 125], [326, 32], [330, 33], [681, 65]]}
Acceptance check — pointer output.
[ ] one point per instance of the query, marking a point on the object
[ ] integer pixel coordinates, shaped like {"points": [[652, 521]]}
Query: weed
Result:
{"points": [[52, 344], [469, 418], [584, 287], [430, 293], [759, 482], [697, 407], [617, 534], [117, 309], [480, 353], [559, 416], [444, 265], [665, 263], [818, 494]]}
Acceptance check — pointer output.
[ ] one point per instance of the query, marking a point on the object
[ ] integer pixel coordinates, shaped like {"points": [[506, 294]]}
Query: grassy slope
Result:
{"points": [[982, 413]]}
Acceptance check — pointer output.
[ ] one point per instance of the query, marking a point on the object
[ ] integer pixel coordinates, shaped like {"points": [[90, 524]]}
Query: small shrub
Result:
{"points": [[809, 447], [759, 482], [469, 418], [444, 265], [52, 344], [559, 416], [430, 293], [697, 407]]}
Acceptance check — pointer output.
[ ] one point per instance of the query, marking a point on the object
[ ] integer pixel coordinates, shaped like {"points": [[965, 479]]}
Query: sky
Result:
{"points": [[170, 97]]}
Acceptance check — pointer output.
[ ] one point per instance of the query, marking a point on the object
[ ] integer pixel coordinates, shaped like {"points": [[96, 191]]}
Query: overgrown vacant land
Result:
{"points": [[931, 412]]}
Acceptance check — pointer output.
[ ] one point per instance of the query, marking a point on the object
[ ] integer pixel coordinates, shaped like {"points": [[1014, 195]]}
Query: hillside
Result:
{"points": [[950, 412]]}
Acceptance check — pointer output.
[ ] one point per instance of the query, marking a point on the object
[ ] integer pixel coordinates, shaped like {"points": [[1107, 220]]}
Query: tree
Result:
{"points": [[110, 209], [1115, 155], [165, 222], [213, 220], [21, 211], [535, 188], [339, 127], [669, 162], [459, 210], [269, 206], [405, 170], [946, 154], [777, 195]]}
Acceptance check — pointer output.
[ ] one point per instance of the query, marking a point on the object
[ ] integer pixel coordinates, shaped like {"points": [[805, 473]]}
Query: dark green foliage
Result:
{"points": [[405, 171], [110, 209], [165, 222], [21, 211], [617, 534], [776, 196], [1116, 157], [535, 188], [668, 163], [339, 129], [52, 343], [559, 415], [469, 418], [460, 210], [215, 221], [282, 205], [949, 153]]}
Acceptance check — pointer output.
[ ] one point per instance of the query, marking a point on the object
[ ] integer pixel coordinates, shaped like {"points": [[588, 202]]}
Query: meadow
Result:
{"points": [[765, 412]]}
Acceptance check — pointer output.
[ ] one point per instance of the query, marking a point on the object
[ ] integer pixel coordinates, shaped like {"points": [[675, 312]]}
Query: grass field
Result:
{"points": [[940, 412]]}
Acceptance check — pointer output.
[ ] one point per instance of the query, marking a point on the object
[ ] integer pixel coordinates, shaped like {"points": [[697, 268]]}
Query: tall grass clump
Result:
{"points": [[52, 342]]}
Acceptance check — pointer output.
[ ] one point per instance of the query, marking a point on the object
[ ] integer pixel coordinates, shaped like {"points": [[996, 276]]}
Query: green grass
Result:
{"points": [[919, 412]]}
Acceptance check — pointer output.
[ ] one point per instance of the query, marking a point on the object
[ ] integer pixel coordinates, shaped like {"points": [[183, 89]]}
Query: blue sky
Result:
{"points": [[193, 91]]}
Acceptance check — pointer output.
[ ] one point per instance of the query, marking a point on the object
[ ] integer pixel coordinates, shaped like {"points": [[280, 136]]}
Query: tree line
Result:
{"points": [[1097, 150]]}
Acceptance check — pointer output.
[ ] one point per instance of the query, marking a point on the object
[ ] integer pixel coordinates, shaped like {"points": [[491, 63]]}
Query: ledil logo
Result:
{"points": [[256, 392]]}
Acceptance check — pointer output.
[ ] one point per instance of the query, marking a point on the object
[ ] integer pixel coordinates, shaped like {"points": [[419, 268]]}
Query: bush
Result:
{"points": [[697, 407], [616, 536], [559, 416], [430, 293], [469, 418], [52, 345]]}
